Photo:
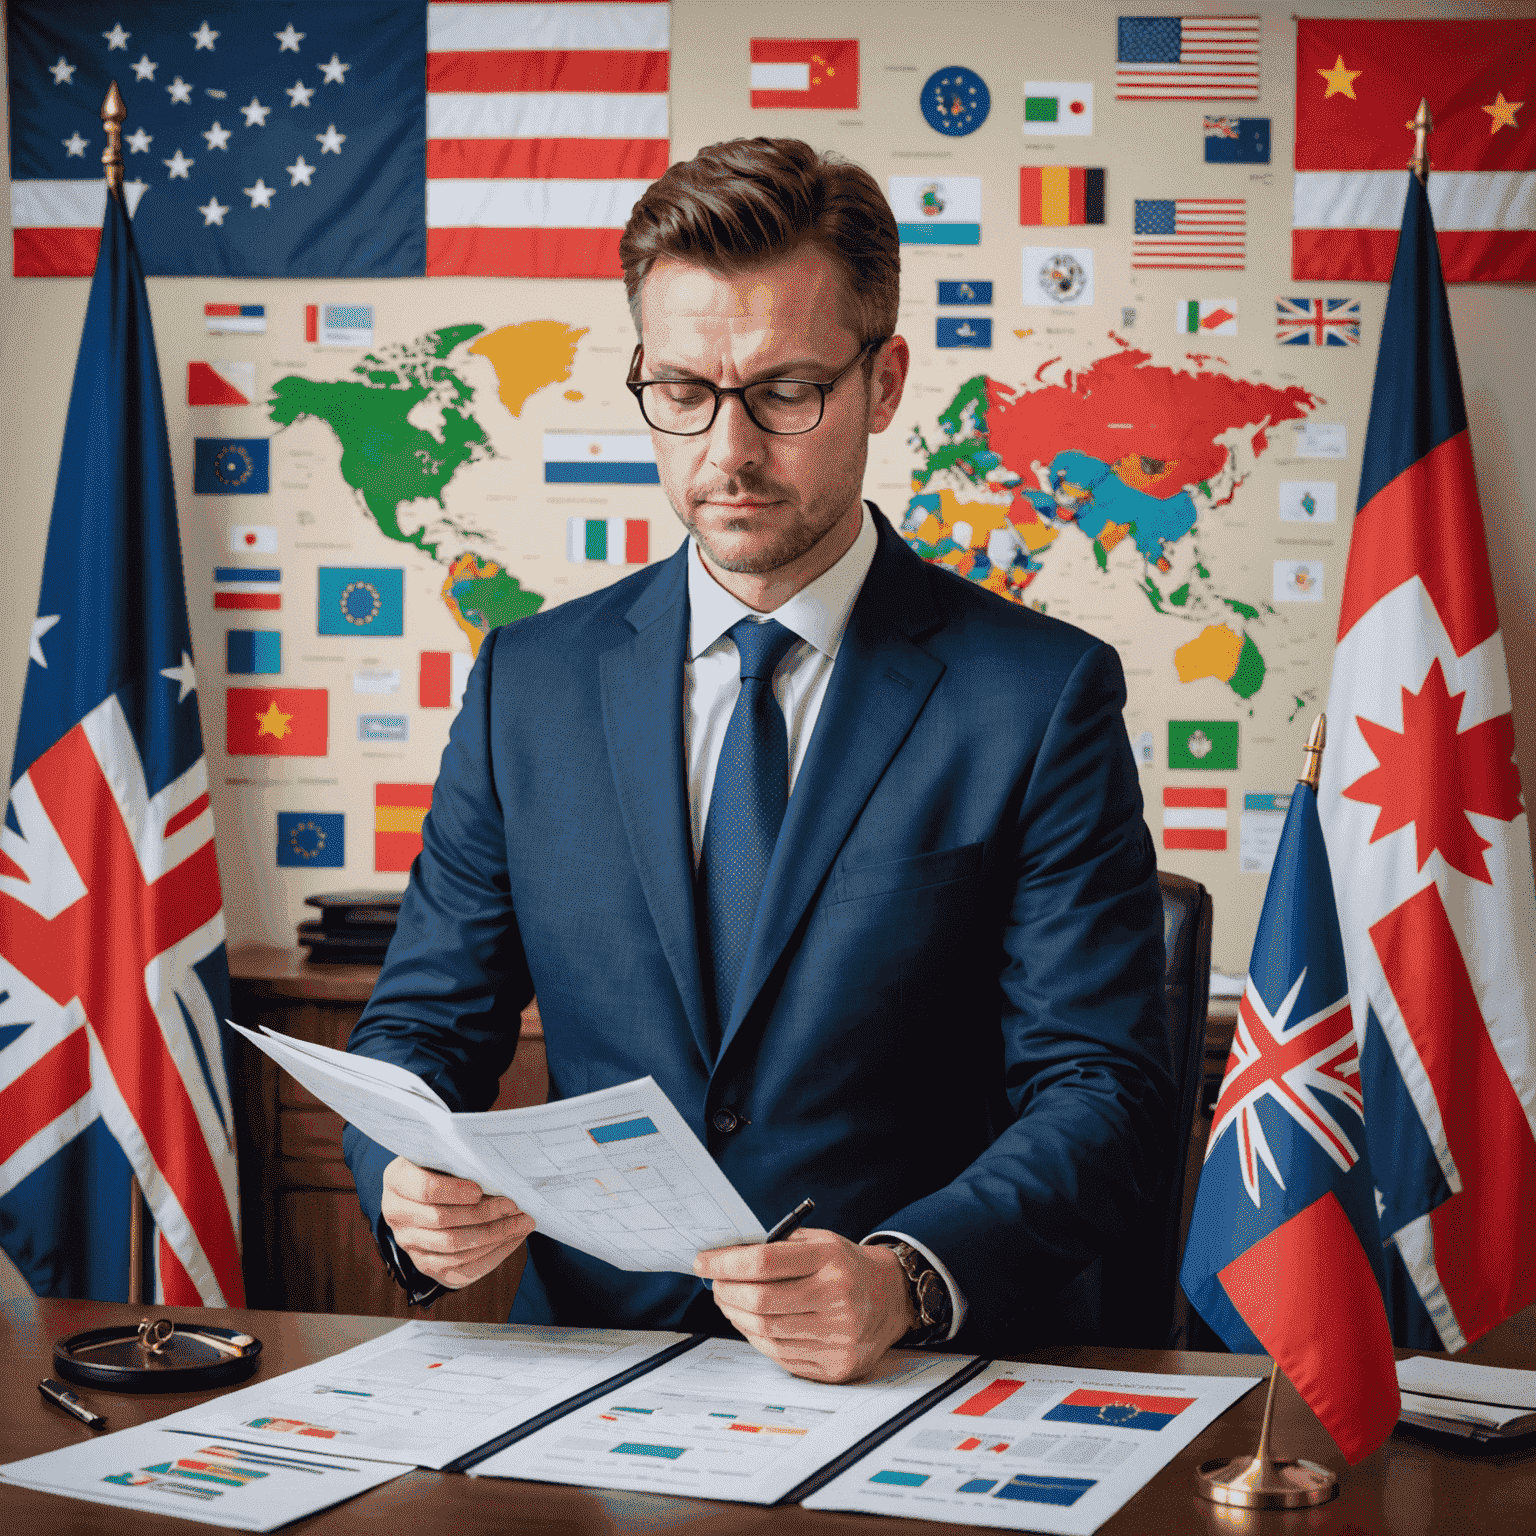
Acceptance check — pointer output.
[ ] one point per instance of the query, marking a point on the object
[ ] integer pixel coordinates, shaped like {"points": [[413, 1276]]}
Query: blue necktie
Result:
{"points": [[746, 808]]}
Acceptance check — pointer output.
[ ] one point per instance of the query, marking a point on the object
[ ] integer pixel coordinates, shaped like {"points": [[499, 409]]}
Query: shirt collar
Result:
{"points": [[818, 613]]}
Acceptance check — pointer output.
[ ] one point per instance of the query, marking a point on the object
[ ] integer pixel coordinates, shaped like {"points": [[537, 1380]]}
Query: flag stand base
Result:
{"points": [[1262, 1481]]}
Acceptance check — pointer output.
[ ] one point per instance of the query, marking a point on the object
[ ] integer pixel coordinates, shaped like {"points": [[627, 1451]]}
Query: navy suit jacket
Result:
{"points": [[951, 1016]]}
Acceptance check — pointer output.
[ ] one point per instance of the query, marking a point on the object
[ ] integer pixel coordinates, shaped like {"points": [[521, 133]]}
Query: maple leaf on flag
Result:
{"points": [[1432, 774]]}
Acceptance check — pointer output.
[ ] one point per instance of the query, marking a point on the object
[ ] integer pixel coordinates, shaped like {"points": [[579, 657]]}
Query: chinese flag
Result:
{"points": [[398, 812], [805, 72], [275, 722]]}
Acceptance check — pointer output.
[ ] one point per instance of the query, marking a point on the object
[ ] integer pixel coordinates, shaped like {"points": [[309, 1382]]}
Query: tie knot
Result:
{"points": [[761, 645]]}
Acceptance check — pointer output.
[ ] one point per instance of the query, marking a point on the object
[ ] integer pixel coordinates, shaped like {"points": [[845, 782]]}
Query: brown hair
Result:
{"points": [[744, 203]]}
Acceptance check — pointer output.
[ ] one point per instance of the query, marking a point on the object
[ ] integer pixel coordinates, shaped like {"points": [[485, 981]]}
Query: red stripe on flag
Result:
{"points": [[523, 253], [55, 252], [1426, 523], [311, 322], [186, 815], [436, 670], [1207, 839], [626, 71], [1092, 1397], [264, 600], [988, 1398], [403, 794], [1031, 193], [1366, 255], [637, 541], [1482, 1235], [175, 1282], [42, 1093], [1076, 188], [1188, 794], [568, 159], [395, 851], [1345, 1372]]}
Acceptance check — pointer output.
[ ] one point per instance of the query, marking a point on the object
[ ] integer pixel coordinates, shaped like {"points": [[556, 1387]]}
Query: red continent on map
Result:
{"points": [[1119, 406]]}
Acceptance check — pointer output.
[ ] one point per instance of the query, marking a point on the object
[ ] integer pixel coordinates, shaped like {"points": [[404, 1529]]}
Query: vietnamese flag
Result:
{"points": [[398, 812], [275, 722], [805, 72]]}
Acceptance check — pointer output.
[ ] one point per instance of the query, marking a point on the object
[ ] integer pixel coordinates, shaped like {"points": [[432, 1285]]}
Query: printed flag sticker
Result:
{"points": [[443, 676], [311, 840], [398, 813], [1061, 194], [253, 539], [1202, 744], [1317, 322], [244, 319], [230, 466], [1188, 58], [1123, 1410], [247, 587], [964, 292], [221, 383], [805, 72], [393, 728], [1058, 108], [1236, 140], [1298, 581], [275, 722], [955, 101], [1060, 276], [1195, 818], [599, 458], [361, 600], [253, 651], [339, 325], [1207, 234], [936, 210], [970, 331], [607, 540], [1205, 317]]}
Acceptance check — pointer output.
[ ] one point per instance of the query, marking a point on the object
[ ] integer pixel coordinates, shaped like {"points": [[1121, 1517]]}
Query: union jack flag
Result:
{"points": [[113, 976], [1317, 322], [1221, 127], [1284, 1252]]}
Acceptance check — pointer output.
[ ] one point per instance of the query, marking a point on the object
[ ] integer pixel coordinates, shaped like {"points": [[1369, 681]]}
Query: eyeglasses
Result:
{"points": [[782, 407]]}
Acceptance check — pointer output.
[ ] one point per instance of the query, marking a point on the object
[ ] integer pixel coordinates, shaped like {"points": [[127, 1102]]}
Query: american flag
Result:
{"points": [[1188, 58], [1317, 322], [1201, 233], [545, 123]]}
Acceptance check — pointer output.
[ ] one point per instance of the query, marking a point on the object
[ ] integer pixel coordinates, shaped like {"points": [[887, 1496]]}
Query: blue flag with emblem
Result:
{"points": [[361, 600], [113, 977]]}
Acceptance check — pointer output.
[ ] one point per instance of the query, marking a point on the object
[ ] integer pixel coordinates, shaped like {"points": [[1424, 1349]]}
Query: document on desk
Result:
{"points": [[720, 1422], [427, 1392], [204, 1477], [616, 1173], [1034, 1448]]}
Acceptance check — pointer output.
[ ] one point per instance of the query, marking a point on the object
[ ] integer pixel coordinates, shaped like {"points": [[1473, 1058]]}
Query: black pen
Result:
{"points": [[790, 1222], [57, 1392]]}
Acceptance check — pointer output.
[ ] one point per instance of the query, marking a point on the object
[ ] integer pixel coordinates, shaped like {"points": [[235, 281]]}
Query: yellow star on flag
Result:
{"points": [[273, 723], [1341, 81], [1503, 113]]}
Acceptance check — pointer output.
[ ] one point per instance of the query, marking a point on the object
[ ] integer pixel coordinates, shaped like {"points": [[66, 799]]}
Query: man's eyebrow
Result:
{"points": [[795, 368]]}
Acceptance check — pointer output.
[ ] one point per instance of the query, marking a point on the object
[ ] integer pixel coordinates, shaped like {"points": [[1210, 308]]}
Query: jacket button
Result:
{"points": [[726, 1121]]}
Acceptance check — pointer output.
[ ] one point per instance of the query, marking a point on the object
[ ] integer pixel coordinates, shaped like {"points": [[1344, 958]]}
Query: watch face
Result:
{"points": [[956, 101], [932, 1299]]}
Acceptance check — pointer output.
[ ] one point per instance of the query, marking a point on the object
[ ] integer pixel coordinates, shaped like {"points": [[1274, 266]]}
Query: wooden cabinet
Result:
{"points": [[307, 1247]]}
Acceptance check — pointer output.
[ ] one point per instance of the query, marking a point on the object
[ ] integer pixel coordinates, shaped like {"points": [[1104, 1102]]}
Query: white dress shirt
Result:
{"points": [[819, 615]]}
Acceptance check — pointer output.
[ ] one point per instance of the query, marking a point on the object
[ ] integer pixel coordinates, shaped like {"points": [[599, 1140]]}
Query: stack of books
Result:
{"points": [[1477, 1402], [354, 927]]}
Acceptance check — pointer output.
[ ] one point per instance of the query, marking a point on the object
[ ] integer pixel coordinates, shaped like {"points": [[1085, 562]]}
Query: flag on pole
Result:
{"points": [[1284, 1255], [1422, 806], [113, 979]]}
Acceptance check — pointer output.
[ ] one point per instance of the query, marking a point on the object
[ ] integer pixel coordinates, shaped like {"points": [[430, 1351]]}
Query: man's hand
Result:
{"points": [[453, 1231], [823, 1307]]}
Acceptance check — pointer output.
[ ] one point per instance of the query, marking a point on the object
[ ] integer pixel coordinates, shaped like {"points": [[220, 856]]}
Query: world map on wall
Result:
{"points": [[405, 423], [1118, 452]]}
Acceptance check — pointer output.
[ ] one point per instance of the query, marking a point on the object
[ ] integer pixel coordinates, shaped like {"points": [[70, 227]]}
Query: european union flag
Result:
{"points": [[230, 466], [1236, 140], [362, 600], [311, 840]]}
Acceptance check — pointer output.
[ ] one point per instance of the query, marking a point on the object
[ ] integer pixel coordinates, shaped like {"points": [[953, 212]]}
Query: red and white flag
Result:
{"points": [[1195, 816], [1357, 84], [805, 72], [545, 123], [1428, 837], [221, 383]]}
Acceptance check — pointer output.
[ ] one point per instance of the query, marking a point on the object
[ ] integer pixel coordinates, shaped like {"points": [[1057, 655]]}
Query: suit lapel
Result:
{"points": [[642, 690], [879, 685]]}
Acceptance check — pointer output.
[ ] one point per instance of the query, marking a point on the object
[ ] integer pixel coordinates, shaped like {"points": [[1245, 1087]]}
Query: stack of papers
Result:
{"points": [[1481, 1402]]}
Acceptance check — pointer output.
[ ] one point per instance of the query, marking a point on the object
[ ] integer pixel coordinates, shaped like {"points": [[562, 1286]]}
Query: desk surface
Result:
{"points": [[1416, 1485]]}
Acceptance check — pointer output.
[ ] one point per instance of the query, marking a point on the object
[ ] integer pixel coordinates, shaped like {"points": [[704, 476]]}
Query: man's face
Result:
{"points": [[756, 502]]}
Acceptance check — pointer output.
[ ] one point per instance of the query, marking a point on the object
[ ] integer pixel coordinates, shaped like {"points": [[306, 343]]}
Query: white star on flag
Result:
{"points": [[75, 145], [218, 138], [330, 141], [180, 91], [255, 114], [135, 190], [288, 38], [117, 38], [178, 165], [40, 627], [185, 674], [138, 142], [203, 37], [213, 212], [299, 172], [299, 93], [145, 68], [63, 72], [335, 72], [260, 195]]}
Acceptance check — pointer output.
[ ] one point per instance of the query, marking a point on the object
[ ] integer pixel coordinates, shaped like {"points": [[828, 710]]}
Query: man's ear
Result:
{"points": [[888, 382]]}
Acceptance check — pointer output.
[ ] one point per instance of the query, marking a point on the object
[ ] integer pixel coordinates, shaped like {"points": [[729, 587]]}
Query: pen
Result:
{"points": [[57, 1392], [790, 1222]]}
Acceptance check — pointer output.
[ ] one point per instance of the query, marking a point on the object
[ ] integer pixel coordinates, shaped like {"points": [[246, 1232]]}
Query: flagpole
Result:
{"points": [[1264, 1481]]}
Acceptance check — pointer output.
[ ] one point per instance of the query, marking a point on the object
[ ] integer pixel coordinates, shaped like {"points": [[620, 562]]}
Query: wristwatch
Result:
{"points": [[930, 1298], [420, 1291]]}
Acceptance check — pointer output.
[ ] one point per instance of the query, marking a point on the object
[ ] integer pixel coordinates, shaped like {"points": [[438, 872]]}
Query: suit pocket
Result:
{"points": [[923, 869]]}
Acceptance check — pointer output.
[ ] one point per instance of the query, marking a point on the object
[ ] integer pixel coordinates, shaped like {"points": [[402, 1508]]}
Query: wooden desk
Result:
{"points": [[1416, 1485]]}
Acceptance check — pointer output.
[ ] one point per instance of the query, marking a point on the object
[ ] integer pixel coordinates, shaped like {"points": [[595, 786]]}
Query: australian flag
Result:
{"points": [[262, 140], [1284, 1254], [113, 976]]}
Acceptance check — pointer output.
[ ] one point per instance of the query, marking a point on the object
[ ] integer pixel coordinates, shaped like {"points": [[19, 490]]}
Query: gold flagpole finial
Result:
{"points": [[1421, 126], [1312, 754], [114, 114]]}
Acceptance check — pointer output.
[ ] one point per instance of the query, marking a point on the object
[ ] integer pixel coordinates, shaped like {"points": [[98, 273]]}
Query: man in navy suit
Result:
{"points": [[843, 851]]}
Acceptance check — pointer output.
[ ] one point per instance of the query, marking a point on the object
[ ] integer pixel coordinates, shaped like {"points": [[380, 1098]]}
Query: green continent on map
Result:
{"points": [[1122, 451], [480, 595]]}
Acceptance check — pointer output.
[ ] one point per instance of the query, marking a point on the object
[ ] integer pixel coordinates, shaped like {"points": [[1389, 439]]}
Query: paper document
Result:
{"points": [[721, 1422], [1034, 1447], [426, 1393], [1488, 1402], [199, 1477], [616, 1173]]}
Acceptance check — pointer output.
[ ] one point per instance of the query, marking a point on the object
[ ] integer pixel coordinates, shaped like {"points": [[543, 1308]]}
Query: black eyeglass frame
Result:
{"points": [[637, 387]]}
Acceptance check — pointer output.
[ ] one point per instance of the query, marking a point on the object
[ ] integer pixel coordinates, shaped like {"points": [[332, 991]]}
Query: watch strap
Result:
{"points": [[931, 1300]]}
